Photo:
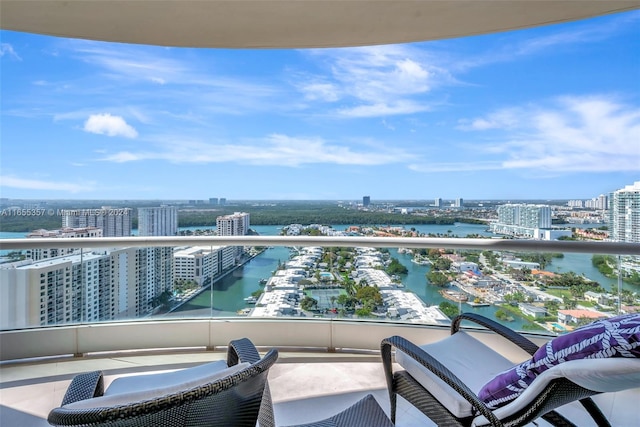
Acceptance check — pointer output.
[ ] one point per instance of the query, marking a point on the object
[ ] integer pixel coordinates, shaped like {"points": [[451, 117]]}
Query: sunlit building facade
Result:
{"points": [[624, 214]]}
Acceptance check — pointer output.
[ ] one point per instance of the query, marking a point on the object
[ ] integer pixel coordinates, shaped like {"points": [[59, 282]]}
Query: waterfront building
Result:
{"points": [[236, 224], [459, 203], [202, 263], [533, 310], [93, 286], [566, 317], [366, 201], [40, 253], [624, 214], [438, 202], [114, 222], [523, 220], [158, 221]]}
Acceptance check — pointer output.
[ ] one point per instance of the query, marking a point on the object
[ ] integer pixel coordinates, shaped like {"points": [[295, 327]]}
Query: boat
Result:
{"points": [[251, 300], [454, 295], [263, 281]]}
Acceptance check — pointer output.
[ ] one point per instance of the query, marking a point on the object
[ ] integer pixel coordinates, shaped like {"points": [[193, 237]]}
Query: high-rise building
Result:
{"points": [[114, 222], [522, 220], [437, 202], [458, 203], [202, 263], [213, 200], [366, 201], [603, 202], [158, 221], [223, 201], [43, 253], [624, 214], [90, 287], [236, 224]]}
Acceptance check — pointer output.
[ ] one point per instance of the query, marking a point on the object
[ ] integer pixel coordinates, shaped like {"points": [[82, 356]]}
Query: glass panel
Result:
{"points": [[532, 291]]}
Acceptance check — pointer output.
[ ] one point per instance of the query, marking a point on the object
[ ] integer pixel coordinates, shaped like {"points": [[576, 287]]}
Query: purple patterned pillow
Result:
{"points": [[614, 337]]}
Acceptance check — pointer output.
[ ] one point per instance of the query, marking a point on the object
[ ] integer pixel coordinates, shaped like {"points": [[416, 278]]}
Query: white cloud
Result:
{"points": [[34, 184], [106, 124], [573, 134], [273, 150], [320, 91], [382, 109], [379, 80], [7, 49]]}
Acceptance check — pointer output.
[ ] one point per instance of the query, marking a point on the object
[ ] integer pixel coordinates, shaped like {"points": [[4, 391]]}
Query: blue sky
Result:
{"points": [[545, 113]]}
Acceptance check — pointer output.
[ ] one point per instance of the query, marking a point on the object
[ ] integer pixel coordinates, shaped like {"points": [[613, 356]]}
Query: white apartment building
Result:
{"points": [[624, 214], [114, 222], [202, 263], [88, 287], [522, 220], [158, 221], [38, 254], [236, 224]]}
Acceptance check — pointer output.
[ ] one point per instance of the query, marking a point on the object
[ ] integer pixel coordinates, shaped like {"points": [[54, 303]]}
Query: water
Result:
{"points": [[229, 292], [416, 282]]}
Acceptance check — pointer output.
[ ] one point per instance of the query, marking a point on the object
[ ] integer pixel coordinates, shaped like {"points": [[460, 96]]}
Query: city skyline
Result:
{"points": [[546, 113]]}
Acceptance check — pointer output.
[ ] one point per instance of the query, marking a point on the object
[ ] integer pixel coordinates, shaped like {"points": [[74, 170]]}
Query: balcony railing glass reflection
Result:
{"points": [[117, 279]]}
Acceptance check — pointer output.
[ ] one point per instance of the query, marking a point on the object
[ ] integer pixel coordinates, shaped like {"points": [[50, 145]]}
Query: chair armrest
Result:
{"points": [[507, 333], [430, 363], [84, 386], [242, 350]]}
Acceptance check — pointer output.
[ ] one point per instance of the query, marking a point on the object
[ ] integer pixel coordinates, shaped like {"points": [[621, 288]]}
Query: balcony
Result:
{"points": [[325, 364]]}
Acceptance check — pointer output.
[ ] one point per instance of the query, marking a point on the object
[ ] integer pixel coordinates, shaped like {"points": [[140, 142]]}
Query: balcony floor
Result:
{"points": [[306, 386]]}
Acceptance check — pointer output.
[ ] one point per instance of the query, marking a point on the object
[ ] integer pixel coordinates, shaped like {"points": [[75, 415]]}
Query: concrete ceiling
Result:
{"points": [[288, 23]]}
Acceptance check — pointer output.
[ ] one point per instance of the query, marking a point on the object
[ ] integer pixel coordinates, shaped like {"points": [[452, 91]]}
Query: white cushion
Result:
{"points": [[470, 360], [127, 390], [602, 375]]}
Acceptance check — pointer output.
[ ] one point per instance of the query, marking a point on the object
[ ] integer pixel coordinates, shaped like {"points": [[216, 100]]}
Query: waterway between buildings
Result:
{"points": [[229, 293]]}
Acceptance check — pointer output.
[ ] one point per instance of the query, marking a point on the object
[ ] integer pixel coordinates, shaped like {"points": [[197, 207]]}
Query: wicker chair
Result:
{"points": [[218, 393], [442, 380]]}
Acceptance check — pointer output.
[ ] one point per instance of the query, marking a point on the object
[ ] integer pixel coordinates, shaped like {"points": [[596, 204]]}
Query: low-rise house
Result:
{"points": [[566, 317], [533, 310]]}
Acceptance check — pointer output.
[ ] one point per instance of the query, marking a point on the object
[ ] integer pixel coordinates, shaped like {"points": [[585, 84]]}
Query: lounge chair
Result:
{"points": [[213, 394], [445, 379]]}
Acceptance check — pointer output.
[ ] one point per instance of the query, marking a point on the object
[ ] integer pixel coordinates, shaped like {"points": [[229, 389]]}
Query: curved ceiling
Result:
{"points": [[288, 23]]}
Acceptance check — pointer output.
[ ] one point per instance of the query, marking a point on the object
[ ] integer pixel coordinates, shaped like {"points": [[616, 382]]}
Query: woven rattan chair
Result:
{"points": [[214, 394], [443, 379]]}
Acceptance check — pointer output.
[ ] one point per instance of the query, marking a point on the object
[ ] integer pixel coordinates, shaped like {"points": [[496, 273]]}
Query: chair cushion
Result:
{"points": [[460, 353], [614, 337], [138, 388], [601, 375]]}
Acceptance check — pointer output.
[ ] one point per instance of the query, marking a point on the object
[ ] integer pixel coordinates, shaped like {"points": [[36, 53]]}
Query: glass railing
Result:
{"points": [[530, 285]]}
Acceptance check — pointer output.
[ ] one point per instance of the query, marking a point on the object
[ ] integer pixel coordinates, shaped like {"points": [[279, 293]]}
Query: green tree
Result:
{"points": [[437, 278], [308, 303], [450, 310]]}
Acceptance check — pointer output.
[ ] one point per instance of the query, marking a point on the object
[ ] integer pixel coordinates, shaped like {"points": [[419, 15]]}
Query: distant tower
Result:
{"points": [[213, 201], [459, 203], [223, 201], [438, 202], [236, 224], [114, 222], [159, 221], [366, 201], [602, 202]]}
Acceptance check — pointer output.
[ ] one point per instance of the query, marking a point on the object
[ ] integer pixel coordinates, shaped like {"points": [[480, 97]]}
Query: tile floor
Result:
{"points": [[305, 386]]}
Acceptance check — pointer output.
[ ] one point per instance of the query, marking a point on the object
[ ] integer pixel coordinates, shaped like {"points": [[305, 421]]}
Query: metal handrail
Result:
{"points": [[600, 247]]}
